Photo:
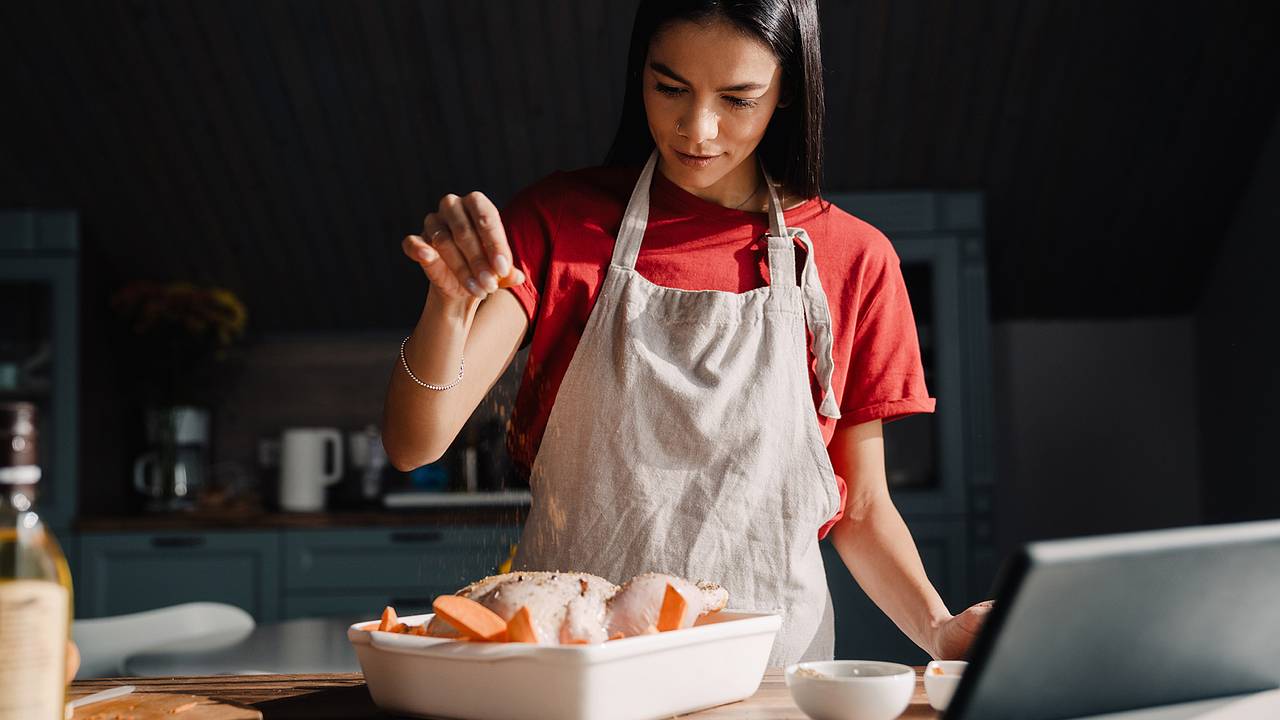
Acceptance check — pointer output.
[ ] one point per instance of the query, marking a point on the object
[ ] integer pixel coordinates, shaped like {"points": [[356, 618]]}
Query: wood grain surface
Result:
{"points": [[330, 697]]}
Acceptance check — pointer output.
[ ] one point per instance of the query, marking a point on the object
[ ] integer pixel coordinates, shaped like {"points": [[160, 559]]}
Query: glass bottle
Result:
{"points": [[35, 584]]}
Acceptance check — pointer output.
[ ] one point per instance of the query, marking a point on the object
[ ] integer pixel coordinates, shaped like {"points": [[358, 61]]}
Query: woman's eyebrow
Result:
{"points": [[740, 87]]}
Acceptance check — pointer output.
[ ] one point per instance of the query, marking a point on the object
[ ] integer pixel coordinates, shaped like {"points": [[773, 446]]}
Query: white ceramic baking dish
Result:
{"points": [[720, 660]]}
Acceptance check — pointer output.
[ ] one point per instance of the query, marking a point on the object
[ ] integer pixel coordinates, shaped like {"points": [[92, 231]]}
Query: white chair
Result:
{"points": [[105, 643]]}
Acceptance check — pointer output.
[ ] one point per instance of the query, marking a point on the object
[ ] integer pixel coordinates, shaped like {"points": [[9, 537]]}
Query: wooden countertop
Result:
{"points": [[318, 697]]}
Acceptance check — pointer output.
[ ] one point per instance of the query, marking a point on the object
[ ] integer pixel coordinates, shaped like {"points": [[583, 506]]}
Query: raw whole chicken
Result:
{"points": [[583, 608], [634, 609]]}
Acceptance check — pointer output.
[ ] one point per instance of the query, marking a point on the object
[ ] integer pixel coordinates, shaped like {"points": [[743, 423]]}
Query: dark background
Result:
{"points": [[1129, 153]]}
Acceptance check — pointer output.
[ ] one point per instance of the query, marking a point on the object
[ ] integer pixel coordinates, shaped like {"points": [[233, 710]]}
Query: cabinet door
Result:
{"points": [[863, 631], [129, 572], [356, 572]]}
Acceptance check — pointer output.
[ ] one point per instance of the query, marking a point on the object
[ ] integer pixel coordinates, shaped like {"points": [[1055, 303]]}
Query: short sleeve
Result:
{"points": [[886, 376], [529, 220]]}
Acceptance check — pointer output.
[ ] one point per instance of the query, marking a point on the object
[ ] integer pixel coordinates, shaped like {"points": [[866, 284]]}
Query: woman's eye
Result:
{"points": [[668, 89], [738, 102]]}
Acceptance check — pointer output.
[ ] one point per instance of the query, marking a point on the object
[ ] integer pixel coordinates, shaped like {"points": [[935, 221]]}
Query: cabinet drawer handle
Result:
{"points": [[184, 541], [424, 536]]}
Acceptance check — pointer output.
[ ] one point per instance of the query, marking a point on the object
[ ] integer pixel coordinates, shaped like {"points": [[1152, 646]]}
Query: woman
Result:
{"points": [[712, 352]]}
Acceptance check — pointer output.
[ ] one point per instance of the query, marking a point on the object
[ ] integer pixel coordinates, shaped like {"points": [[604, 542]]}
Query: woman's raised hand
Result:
{"points": [[463, 248]]}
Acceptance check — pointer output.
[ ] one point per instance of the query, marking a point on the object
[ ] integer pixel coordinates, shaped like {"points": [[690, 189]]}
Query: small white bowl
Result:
{"points": [[851, 689], [941, 686]]}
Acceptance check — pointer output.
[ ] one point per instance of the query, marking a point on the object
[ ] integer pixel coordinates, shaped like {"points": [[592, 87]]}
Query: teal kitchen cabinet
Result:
{"points": [[129, 572], [357, 572]]}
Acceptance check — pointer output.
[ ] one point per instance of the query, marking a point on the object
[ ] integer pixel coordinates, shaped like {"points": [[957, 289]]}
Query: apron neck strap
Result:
{"points": [[631, 233], [777, 224]]}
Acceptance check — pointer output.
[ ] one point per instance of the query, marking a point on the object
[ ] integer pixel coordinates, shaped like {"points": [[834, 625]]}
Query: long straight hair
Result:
{"points": [[792, 145]]}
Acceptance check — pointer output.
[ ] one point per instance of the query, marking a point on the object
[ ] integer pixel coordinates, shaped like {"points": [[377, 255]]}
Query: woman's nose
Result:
{"points": [[700, 126]]}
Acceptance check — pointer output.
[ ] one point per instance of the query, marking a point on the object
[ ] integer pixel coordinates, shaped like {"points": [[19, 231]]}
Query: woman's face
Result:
{"points": [[709, 91]]}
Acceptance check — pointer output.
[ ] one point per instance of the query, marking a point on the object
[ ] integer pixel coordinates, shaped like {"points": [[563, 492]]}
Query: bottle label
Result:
{"points": [[33, 649]]}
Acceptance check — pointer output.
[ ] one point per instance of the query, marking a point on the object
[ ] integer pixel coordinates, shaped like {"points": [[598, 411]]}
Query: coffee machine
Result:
{"points": [[172, 473]]}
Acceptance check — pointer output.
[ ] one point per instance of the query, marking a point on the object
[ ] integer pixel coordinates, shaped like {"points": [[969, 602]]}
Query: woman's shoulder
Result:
{"points": [[587, 187], [846, 234]]}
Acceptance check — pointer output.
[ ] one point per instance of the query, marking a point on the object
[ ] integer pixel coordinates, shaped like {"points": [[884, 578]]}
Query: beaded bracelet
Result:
{"points": [[404, 361]]}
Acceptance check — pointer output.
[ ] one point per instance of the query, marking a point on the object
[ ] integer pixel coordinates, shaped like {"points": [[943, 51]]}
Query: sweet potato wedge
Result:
{"points": [[389, 619], [672, 613], [520, 627], [472, 619]]}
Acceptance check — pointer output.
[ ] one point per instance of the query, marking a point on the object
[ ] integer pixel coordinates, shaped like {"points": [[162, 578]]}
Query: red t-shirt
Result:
{"points": [[562, 229]]}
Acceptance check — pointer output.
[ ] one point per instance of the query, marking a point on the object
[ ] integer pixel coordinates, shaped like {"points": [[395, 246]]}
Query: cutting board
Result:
{"points": [[153, 706]]}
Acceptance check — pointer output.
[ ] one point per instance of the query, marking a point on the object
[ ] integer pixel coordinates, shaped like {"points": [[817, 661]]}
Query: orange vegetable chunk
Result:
{"points": [[389, 619], [673, 606], [472, 619], [520, 627]]}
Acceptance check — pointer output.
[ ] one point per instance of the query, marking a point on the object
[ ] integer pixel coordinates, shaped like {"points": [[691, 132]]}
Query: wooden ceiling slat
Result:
{"points": [[291, 144], [404, 43], [282, 85], [237, 185], [1009, 124], [991, 57], [467, 139], [149, 249], [603, 98], [910, 144], [861, 101], [535, 83], [103, 162], [400, 105], [504, 87], [956, 85], [272, 181], [350, 156], [374, 147], [839, 71], [1236, 82], [577, 106], [44, 137], [181, 132], [1136, 154]]}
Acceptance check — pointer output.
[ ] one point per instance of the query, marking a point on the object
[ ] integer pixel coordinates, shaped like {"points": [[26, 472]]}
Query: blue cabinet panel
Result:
{"points": [[129, 572], [422, 559]]}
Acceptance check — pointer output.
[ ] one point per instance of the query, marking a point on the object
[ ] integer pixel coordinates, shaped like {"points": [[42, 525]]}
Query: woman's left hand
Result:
{"points": [[952, 638]]}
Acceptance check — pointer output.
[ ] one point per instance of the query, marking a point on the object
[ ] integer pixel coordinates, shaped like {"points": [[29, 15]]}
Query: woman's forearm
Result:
{"points": [[879, 551], [420, 423]]}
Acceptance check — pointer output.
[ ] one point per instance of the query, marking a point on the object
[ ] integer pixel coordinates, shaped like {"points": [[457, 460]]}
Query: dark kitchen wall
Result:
{"points": [[1097, 421], [1238, 322], [283, 149]]}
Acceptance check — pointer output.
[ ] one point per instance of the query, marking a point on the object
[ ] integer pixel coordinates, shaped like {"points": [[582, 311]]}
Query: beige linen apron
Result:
{"points": [[683, 439]]}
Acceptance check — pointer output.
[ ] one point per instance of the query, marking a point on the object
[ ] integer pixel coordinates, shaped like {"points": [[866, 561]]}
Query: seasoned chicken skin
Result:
{"points": [[564, 607], [583, 608], [634, 609]]}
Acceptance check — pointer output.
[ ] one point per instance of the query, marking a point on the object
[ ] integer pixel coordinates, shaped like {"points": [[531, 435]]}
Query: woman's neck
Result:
{"points": [[743, 188]]}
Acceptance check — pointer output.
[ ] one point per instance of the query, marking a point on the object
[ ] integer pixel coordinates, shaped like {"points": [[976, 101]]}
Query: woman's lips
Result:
{"points": [[695, 161]]}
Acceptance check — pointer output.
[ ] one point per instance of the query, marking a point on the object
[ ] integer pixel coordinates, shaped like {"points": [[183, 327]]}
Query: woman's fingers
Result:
{"points": [[452, 258], [437, 271], [467, 240], [463, 248], [488, 225]]}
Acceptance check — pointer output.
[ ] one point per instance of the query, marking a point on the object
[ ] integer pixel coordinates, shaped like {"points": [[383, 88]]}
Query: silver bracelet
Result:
{"points": [[404, 361]]}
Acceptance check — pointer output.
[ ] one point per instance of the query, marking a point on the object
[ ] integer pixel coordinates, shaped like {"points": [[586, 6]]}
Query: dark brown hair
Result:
{"points": [[792, 145]]}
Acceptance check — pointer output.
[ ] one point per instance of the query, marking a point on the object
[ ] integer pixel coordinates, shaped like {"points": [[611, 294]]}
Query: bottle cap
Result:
{"points": [[18, 463]]}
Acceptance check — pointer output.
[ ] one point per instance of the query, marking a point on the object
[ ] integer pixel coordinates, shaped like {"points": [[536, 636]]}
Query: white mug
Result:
{"points": [[303, 475]]}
